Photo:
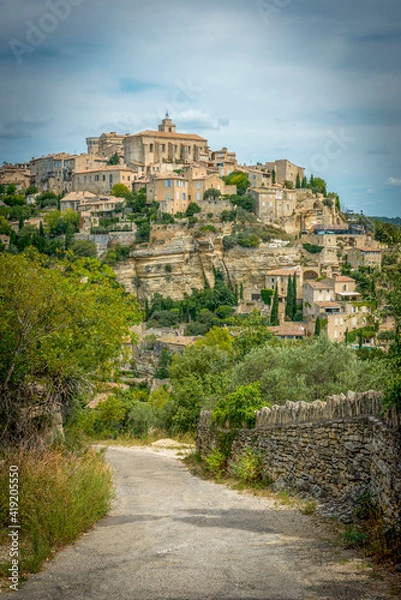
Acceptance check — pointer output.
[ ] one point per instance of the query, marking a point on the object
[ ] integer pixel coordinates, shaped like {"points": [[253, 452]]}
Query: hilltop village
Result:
{"points": [[172, 216]]}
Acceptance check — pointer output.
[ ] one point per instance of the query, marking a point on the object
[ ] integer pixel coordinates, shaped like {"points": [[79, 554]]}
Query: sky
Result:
{"points": [[315, 81]]}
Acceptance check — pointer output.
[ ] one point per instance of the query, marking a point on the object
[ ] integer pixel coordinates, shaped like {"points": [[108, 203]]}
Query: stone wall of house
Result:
{"points": [[334, 451]]}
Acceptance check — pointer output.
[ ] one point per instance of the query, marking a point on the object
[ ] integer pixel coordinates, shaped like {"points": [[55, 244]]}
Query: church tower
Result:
{"points": [[167, 125]]}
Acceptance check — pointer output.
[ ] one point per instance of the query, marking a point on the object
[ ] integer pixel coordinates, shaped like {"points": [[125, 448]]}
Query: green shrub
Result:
{"points": [[353, 537], [247, 466], [216, 462], [312, 248]]}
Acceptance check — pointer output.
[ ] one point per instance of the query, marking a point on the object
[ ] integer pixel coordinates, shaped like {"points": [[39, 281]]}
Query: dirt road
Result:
{"points": [[171, 536]]}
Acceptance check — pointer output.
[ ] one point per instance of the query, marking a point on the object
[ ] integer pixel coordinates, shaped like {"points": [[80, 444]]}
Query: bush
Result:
{"points": [[196, 328], [312, 248], [247, 466], [216, 462], [60, 496], [238, 408], [193, 208], [229, 241]]}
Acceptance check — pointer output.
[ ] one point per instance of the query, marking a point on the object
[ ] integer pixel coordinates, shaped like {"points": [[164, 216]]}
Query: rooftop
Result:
{"points": [[170, 135]]}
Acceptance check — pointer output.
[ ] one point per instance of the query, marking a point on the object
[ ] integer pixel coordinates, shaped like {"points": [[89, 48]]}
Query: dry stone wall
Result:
{"points": [[335, 451]]}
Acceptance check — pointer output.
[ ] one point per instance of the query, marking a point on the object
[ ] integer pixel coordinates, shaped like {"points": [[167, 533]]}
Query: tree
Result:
{"points": [[143, 232], [294, 289], [120, 191], [298, 182], [20, 223], [211, 193], [318, 326], [273, 176], [289, 307], [304, 182], [239, 179], [31, 190], [274, 311], [289, 185], [193, 209], [60, 332], [114, 159], [5, 228]]}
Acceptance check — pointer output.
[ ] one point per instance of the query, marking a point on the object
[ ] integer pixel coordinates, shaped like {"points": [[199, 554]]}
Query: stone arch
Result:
{"points": [[310, 275]]}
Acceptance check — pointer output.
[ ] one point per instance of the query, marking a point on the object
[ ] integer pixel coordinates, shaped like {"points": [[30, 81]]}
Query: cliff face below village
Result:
{"points": [[177, 260]]}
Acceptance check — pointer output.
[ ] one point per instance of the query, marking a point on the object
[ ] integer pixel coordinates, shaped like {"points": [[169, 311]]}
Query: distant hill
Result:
{"points": [[393, 220]]}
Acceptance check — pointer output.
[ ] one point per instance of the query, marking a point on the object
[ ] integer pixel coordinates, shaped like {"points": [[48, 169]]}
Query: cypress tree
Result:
{"points": [[274, 311], [294, 291], [346, 336], [289, 307], [273, 176], [241, 291], [236, 293], [318, 326], [20, 223], [311, 181], [298, 182], [304, 183], [41, 230]]}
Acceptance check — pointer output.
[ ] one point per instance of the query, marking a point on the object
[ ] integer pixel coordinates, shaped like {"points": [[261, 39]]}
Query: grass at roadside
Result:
{"points": [[60, 495]]}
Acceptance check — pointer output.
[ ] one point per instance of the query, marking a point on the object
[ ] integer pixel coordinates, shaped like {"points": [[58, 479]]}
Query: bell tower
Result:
{"points": [[167, 125]]}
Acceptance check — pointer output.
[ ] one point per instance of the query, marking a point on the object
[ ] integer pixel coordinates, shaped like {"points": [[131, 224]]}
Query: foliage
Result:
{"points": [[266, 296], [192, 209], [308, 371], [60, 496], [143, 232], [60, 331], [312, 248], [30, 190], [162, 371], [228, 215], [47, 199], [84, 248], [57, 223], [216, 462], [318, 185], [247, 466], [120, 191], [239, 179], [245, 202], [238, 408], [289, 185], [274, 320], [166, 218], [114, 159], [117, 253], [211, 193], [318, 326]]}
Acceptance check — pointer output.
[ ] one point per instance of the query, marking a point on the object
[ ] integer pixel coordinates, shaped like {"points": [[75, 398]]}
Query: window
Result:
{"points": [[184, 196], [163, 147], [129, 177], [123, 177], [96, 177], [287, 207], [198, 196], [184, 184], [104, 177], [253, 176], [198, 185], [150, 147], [84, 178], [169, 183], [111, 178]]}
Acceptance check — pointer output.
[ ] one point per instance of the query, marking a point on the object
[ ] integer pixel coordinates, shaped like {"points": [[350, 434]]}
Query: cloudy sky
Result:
{"points": [[314, 81]]}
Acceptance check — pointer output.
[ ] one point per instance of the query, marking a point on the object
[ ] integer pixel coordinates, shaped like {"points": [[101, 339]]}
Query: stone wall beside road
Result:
{"points": [[335, 451]]}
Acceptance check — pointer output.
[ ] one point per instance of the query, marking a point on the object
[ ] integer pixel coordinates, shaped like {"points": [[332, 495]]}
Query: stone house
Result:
{"points": [[101, 181], [337, 303], [365, 257], [165, 145], [47, 172], [258, 177], [18, 174], [107, 144], [224, 161], [285, 171], [273, 204], [74, 199], [289, 331]]}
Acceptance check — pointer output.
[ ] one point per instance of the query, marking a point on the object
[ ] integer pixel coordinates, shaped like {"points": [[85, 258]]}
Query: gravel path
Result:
{"points": [[172, 536]]}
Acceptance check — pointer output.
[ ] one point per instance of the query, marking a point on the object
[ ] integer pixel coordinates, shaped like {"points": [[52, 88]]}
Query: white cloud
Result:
{"points": [[396, 181]]}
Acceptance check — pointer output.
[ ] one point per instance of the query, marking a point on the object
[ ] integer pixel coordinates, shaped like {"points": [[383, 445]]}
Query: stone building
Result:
{"points": [[164, 145], [18, 174], [365, 257], [107, 144], [47, 172], [224, 161], [101, 181], [274, 204], [285, 171], [338, 305]]}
